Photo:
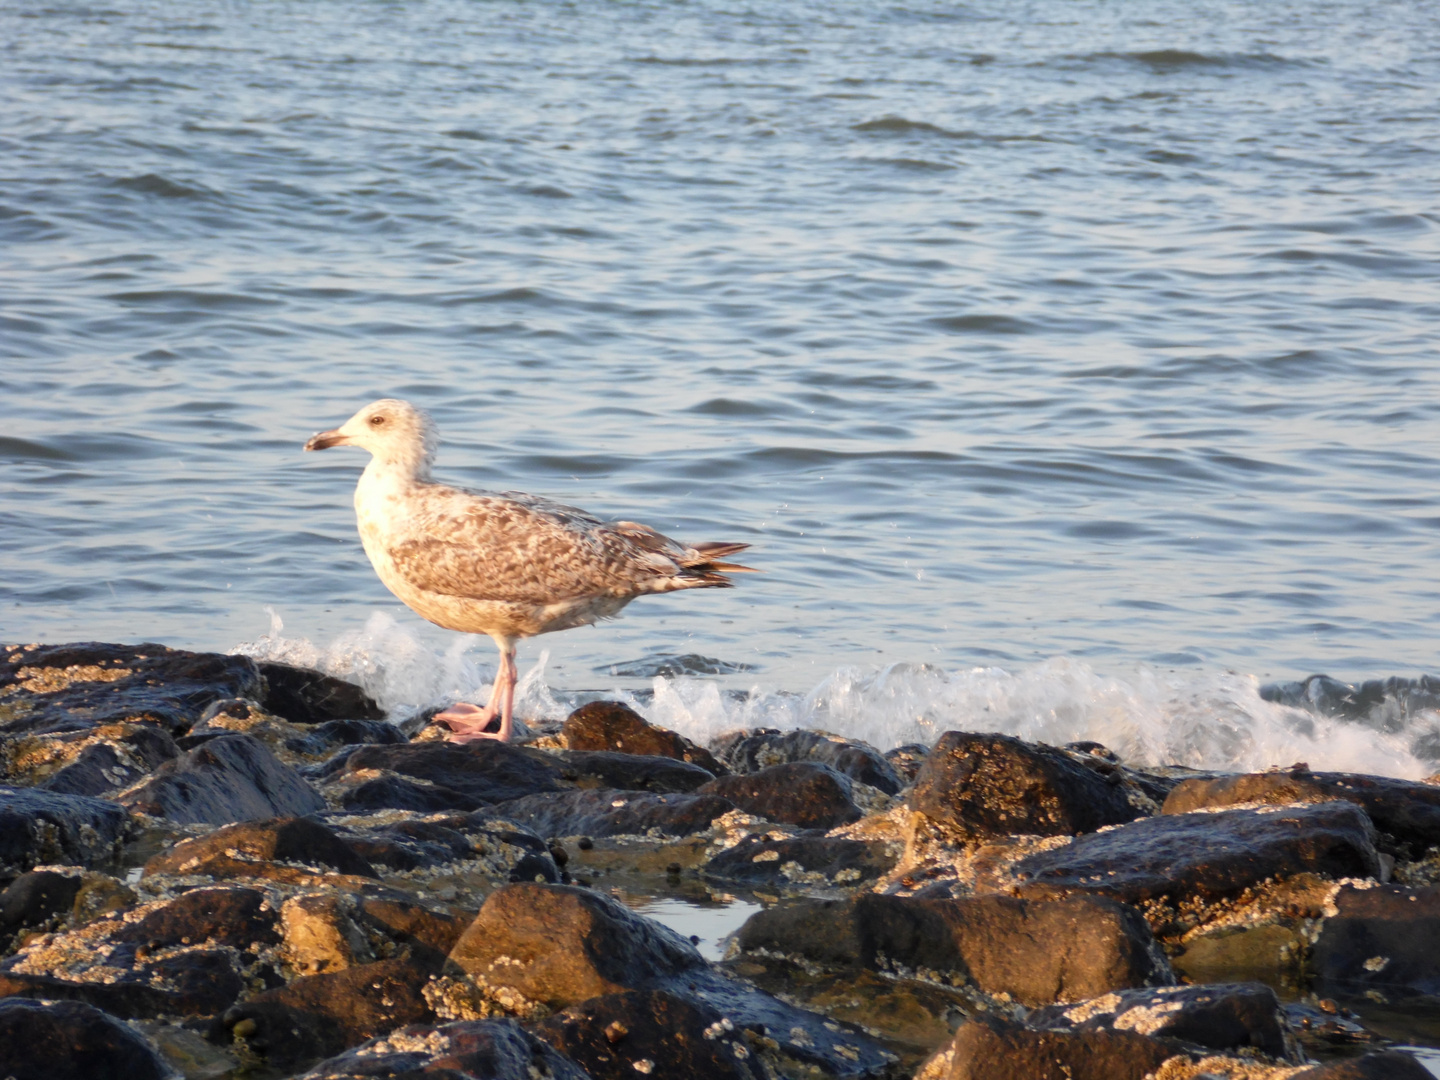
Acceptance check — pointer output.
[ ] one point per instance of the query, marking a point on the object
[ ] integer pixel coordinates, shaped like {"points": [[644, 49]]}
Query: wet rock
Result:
{"points": [[810, 859], [906, 760], [629, 772], [534, 947], [56, 688], [993, 1048], [66, 1040], [49, 827], [1205, 856], [37, 899], [986, 785], [617, 1036], [231, 778], [450, 844], [558, 945], [1406, 814], [365, 790], [1383, 936], [1234, 1016], [97, 761], [613, 813], [1380, 1065], [1034, 952], [483, 773], [612, 726], [189, 956], [263, 849], [327, 737], [317, 1016], [802, 793], [478, 1049], [765, 747], [303, 696], [1382, 704]]}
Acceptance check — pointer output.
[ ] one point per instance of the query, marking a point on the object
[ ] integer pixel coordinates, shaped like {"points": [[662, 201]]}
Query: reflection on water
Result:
{"points": [[711, 922]]}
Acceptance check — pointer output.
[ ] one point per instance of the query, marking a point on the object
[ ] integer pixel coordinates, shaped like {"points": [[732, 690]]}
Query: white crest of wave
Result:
{"points": [[1205, 720]]}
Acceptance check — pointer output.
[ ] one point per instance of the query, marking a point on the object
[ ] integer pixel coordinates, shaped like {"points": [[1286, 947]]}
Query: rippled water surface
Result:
{"points": [[1083, 352]]}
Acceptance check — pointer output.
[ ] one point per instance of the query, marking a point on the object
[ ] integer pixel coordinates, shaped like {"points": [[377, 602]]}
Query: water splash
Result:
{"points": [[1206, 720]]}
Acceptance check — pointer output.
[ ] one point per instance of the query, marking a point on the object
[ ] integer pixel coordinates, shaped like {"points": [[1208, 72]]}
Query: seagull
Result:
{"points": [[505, 564]]}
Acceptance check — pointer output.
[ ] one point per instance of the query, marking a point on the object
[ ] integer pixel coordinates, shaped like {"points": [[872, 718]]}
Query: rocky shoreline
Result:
{"points": [[215, 867]]}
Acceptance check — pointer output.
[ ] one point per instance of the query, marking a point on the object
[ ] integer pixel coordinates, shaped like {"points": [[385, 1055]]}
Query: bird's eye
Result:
{"points": [[376, 421]]}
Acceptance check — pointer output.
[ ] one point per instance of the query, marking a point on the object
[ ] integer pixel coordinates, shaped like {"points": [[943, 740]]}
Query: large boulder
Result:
{"points": [[1035, 952], [481, 773], [68, 1040], [803, 793], [52, 688], [478, 1049], [1406, 813], [48, 827], [303, 696], [597, 812], [1382, 937], [557, 946], [284, 849], [225, 779], [807, 860], [653, 1033], [992, 1048], [981, 786], [1203, 857], [630, 772], [612, 726], [752, 751]]}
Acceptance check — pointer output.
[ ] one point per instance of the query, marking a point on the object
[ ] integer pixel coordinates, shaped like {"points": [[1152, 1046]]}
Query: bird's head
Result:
{"points": [[394, 431]]}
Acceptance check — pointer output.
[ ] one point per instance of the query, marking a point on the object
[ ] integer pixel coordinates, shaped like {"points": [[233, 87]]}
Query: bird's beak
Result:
{"points": [[323, 440]]}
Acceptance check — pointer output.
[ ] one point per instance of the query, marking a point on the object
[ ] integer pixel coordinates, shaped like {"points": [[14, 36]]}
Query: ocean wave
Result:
{"points": [[1216, 720]]}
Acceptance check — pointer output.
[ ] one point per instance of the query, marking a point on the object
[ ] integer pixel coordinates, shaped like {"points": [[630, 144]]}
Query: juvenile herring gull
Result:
{"points": [[505, 564]]}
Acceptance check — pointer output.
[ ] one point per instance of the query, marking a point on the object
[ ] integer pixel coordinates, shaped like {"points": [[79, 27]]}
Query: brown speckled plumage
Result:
{"points": [[505, 564]]}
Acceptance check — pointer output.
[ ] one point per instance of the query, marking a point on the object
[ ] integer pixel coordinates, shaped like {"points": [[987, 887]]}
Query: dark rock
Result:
{"points": [[629, 772], [36, 898], [987, 785], [860, 761], [907, 759], [808, 859], [1408, 812], [319, 1015], [1233, 1016], [1379, 1065], [48, 827], [1382, 704], [802, 793], [593, 812], [232, 778], [469, 842], [467, 1050], [1385, 936], [570, 943], [329, 736], [620, 1036], [487, 771], [56, 688], [303, 696], [609, 725], [391, 791], [260, 849], [114, 757], [192, 956], [991, 1048], [1036, 952], [1205, 856], [66, 1040], [559, 946], [404, 920], [223, 915]]}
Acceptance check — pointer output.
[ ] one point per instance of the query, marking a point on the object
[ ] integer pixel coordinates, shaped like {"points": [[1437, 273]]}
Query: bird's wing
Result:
{"points": [[521, 549]]}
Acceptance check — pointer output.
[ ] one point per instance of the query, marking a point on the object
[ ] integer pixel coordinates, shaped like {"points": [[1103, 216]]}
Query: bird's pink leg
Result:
{"points": [[468, 722]]}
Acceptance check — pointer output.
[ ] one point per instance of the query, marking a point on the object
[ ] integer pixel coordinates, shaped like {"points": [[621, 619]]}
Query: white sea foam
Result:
{"points": [[1209, 720]]}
